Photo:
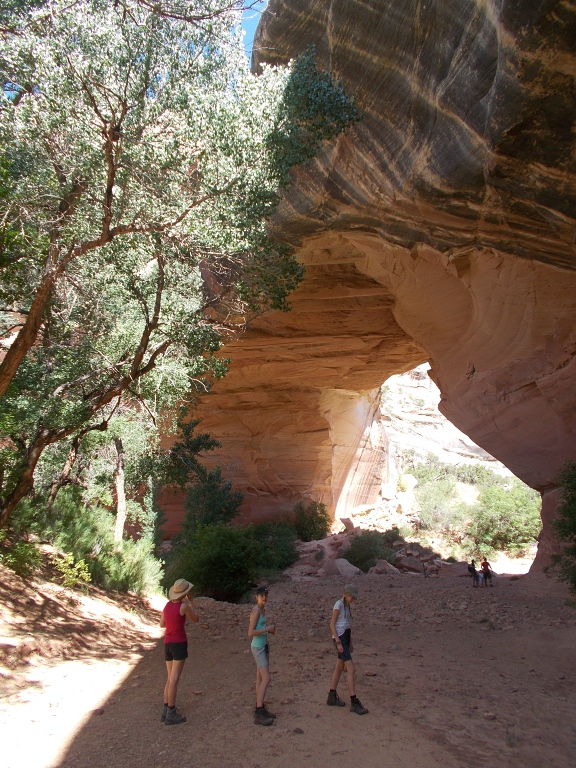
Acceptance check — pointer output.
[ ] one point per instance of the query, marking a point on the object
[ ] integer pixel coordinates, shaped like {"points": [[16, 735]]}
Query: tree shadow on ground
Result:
{"points": [[43, 621]]}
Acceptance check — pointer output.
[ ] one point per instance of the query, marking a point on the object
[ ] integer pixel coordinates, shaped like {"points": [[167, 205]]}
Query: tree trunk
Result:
{"points": [[119, 491], [27, 335], [26, 480], [62, 478]]}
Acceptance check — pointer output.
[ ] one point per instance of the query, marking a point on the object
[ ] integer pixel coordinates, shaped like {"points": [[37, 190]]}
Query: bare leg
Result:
{"points": [[262, 682], [336, 676], [350, 675], [174, 670]]}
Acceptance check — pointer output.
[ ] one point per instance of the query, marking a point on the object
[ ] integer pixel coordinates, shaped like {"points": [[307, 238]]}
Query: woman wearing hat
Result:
{"points": [[176, 611], [341, 628]]}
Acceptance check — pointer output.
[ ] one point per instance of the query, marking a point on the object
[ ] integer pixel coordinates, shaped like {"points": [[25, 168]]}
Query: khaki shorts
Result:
{"points": [[260, 655]]}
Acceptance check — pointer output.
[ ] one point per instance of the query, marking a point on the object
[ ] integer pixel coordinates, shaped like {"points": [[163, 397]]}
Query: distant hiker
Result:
{"points": [[258, 632], [486, 572], [176, 611], [341, 628], [474, 573]]}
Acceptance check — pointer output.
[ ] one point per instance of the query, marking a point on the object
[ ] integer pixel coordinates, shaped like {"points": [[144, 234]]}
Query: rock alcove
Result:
{"points": [[440, 228]]}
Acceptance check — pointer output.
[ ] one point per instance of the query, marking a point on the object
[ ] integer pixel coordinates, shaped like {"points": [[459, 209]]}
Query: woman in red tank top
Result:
{"points": [[176, 611]]}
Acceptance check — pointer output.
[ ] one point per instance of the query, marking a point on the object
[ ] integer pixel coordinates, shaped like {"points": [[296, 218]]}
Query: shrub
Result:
{"points": [[210, 501], [368, 547], [221, 562], [22, 557], [87, 533], [506, 518], [436, 512], [311, 521], [131, 568], [72, 574], [566, 524], [275, 544]]}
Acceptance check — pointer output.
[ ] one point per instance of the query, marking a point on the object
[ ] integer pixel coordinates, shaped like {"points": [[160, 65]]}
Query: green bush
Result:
{"points": [[368, 547], [72, 574], [275, 544], [566, 524], [436, 512], [432, 470], [87, 533], [221, 562], [22, 557], [311, 521], [506, 518], [210, 501]]}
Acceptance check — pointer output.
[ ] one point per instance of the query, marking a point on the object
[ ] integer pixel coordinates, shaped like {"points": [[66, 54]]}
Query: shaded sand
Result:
{"points": [[453, 676]]}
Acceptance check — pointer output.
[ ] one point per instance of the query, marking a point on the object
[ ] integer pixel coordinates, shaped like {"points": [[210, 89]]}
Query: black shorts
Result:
{"points": [[345, 639], [176, 651]]}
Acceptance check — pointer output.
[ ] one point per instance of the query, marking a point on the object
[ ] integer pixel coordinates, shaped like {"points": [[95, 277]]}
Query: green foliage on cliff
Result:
{"points": [[506, 516], [311, 520], [566, 523]]}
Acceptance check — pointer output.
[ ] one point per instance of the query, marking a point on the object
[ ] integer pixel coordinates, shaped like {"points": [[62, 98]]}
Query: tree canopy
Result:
{"points": [[141, 161]]}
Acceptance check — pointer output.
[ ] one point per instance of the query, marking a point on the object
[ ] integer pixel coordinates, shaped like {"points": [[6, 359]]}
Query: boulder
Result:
{"points": [[341, 567], [409, 563], [453, 569], [384, 567]]}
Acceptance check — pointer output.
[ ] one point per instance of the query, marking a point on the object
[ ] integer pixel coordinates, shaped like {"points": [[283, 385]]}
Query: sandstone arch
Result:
{"points": [[440, 228]]}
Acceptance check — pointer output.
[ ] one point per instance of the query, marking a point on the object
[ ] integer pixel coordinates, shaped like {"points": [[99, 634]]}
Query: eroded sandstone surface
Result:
{"points": [[440, 228]]}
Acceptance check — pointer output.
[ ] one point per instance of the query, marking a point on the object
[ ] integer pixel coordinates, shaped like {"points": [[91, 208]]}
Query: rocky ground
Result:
{"points": [[453, 677]]}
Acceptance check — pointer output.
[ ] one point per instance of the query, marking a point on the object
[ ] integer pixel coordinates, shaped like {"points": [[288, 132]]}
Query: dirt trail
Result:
{"points": [[453, 677]]}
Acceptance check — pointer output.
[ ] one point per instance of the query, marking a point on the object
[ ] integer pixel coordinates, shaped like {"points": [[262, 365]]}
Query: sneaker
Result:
{"points": [[164, 712], [334, 700], [356, 706], [173, 717], [261, 717], [268, 713]]}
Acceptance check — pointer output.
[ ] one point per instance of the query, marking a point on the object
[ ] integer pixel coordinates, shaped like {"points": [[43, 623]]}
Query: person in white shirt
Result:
{"points": [[341, 629]]}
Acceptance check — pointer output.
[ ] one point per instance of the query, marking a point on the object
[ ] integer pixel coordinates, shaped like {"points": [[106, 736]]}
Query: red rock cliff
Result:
{"points": [[440, 228]]}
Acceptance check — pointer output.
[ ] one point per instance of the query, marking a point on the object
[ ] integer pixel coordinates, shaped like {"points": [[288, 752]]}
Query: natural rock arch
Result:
{"points": [[440, 228]]}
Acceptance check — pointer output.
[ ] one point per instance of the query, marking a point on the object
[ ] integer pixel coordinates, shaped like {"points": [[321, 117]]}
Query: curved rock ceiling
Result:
{"points": [[440, 228]]}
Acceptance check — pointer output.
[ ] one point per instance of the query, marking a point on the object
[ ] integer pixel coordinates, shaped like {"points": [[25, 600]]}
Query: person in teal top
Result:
{"points": [[258, 632]]}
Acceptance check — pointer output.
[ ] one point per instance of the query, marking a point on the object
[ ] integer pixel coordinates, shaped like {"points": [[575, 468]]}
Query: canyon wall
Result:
{"points": [[440, 228]]}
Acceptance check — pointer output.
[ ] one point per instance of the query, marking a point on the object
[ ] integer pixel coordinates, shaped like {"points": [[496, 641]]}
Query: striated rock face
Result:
{"points": [[467, 138], [440, 228]]}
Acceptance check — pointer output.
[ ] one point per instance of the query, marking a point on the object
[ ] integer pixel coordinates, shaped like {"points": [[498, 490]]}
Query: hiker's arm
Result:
{"points": [[333, 620], [189, 609]]}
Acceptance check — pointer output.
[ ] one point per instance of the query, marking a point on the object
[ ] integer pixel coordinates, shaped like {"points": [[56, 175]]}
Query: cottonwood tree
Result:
{"points": [[141, 161]]}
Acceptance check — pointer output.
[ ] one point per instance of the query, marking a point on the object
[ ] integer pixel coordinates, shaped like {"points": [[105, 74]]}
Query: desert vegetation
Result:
{"points": [[141, 160], [505, 516], [566, 524]]}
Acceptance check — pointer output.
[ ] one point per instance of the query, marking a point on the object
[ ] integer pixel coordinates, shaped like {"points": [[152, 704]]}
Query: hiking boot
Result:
{"points": [[268, 713], [164, 712], [173, 717], [356, 706], [334, 700], [261, 717]]}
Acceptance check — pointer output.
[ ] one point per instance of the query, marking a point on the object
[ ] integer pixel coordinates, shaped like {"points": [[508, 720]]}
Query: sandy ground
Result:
{"points": [[453, 677]]}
